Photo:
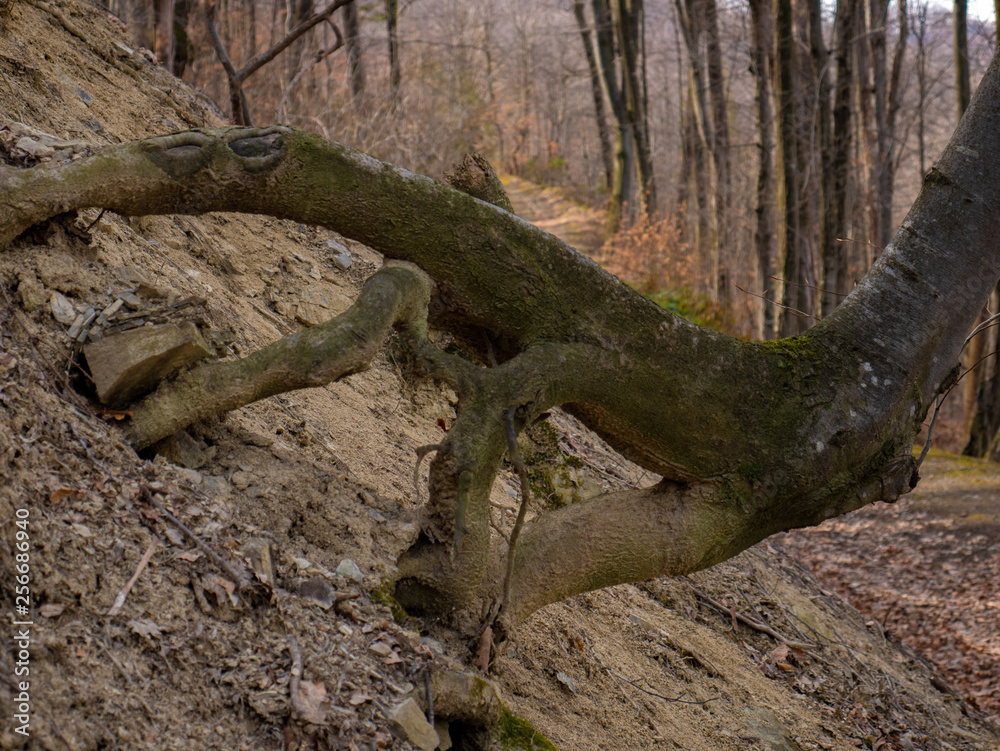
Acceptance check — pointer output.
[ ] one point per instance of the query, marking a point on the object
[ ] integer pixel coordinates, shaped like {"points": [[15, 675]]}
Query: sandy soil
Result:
{"points": [[751, 655]]}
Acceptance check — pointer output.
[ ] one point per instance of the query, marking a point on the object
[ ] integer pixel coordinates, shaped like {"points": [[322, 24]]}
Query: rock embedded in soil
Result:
{"points": [[125, 366], [409, 723]]}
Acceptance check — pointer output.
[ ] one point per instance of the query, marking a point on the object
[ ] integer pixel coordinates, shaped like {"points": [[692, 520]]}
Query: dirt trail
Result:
{"points": [[578, 225], [927, 569]]}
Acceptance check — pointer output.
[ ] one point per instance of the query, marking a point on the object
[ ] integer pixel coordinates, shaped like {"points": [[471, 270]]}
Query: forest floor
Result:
{"points": [[926, 569], [140, 638]]}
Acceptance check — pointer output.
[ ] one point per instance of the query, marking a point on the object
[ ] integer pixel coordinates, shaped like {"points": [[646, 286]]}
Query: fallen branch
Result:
{"points": [[203, 547], [747, 621], [120, 599]]}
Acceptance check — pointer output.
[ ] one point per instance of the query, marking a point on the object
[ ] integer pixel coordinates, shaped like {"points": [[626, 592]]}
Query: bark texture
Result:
{"points": [[750, 438]]}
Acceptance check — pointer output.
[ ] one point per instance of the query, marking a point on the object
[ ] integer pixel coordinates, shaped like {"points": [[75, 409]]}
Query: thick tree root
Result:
{"points": [[395, 296], [750, 438]]}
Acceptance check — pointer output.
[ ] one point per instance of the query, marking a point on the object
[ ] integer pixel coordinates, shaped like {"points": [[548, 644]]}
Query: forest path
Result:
{"points": [[927, 568], [580, 226]]}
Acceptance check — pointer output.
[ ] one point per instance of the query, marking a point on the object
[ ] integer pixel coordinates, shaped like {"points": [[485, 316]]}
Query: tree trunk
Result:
{"points": [[605, 34], [760, 20], [790, 317], [720, 141], [691, 21], [835, 269], [355, 60], [750, 438], [960, 27], [395, 69], [629, 23], [823, 135], [597, 91]]}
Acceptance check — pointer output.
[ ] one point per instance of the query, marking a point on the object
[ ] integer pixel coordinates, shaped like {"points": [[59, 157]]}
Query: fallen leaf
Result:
{"points": [[145, 627], [51, 609], [175, 537], [313, 702], [190, 555], [59, 493]]}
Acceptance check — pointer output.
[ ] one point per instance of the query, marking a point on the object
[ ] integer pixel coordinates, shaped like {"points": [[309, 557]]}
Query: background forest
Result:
{"points": [[655, 111]]}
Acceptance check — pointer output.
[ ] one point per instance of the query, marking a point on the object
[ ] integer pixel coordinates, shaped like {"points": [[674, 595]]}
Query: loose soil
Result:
{"points": [[754, 654]]}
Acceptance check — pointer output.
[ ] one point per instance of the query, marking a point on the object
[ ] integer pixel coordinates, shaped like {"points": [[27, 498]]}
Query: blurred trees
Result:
{"points": [[781, 139]]}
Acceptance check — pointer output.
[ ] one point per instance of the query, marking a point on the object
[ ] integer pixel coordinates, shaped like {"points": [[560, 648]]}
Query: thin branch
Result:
{"points": [[930, 432], [752, 623], [116, 608], [314, 61], [293, 683], [522, 472], [670, 699], [203, 547], [261, 60], [793, 311]]}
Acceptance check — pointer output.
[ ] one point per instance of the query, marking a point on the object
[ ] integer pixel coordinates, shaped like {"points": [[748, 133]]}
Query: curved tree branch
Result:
{"points": [[750, 438]]}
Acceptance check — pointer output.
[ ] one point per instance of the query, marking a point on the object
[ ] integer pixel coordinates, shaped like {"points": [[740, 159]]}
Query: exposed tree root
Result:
{"points": [[750, 438]]}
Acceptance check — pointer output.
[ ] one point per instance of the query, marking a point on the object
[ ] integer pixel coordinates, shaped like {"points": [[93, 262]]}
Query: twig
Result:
{"points": [[809, 286], [293, 683], [313, 62], [670, 699], [754, 624], [203, 547], [238, 100], [522, 472], [793, 311], [930, 432], [120, 599]]}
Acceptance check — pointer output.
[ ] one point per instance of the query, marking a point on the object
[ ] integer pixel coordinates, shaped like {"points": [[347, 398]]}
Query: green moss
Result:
{"points": [[752, 472], [516, 734], [383, 597]]}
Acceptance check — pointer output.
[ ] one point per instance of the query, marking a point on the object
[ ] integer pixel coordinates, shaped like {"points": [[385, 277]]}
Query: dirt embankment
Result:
{"points": [[140, 639]]}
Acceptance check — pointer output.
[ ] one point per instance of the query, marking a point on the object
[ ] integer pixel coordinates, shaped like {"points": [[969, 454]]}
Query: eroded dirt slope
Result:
{"points": [[750, 655]]}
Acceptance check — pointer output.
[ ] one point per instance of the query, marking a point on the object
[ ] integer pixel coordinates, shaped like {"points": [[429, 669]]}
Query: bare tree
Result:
{"points": [[762, 40], [597, 89]]}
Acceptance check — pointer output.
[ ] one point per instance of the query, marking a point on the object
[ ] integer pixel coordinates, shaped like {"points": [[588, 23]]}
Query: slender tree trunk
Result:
{"points": [[720, 140], [835, 260], [922, 84], [788, 175], [395, 69], [960, 27], [355, 60], [605, 35], [823, 133], [597, 91], [760, 20], [165, 33], [183, 50], [629, 20], [691, 20]]}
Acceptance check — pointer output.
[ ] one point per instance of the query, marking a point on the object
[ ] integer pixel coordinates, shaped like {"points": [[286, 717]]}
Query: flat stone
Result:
{"points": [[182, 450], [62, 309], [408, 722], [340, 255], [128, 365], [350, 570]]}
